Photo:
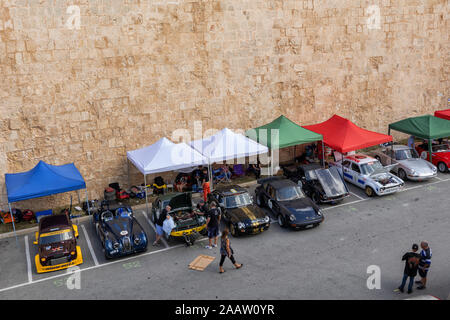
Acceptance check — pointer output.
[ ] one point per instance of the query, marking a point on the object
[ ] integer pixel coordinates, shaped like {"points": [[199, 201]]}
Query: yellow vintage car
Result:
{"points": [[57, 244]]}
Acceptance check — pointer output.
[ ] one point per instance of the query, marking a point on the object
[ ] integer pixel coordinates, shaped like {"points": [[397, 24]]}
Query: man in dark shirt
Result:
{"points": [[411, 265], [212, 225]]}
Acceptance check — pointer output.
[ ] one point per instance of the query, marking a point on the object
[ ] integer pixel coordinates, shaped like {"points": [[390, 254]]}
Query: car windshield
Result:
{"points": [[238, 200], [440, 148], [371, 167], [54, 237], [406, 154], [289, 193]]}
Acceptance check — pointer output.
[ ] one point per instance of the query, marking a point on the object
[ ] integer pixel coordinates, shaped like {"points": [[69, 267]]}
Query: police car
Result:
{"points": [[369, 174]]}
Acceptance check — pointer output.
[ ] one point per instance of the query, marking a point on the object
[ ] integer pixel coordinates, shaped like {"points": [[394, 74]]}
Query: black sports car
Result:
{"points": [[238, 210], [288, 202], [119, 231], [320, 184]]}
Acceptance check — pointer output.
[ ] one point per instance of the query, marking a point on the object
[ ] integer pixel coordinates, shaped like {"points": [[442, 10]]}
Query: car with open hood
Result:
{"points": [[56, 239], [119, 231], [238, 210], [288, 203], [410, 165], [440, 155], [188, 222], [369, 174], [322, 185]]}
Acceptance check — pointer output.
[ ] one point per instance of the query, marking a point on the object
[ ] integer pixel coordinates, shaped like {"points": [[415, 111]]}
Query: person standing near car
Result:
{"points": [[411, 265], [212, 225], [205, 184], [424, 264], [159, 223], [226, 251]]}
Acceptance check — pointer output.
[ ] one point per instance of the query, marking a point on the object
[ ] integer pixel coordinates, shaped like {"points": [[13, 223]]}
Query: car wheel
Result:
{"points": [[442, 167], [233, 230], [281, 221], [369, 191], [402, 174]]}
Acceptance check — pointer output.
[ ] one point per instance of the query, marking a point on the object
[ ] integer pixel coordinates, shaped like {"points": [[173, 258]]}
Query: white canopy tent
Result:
{"points": [[162, 156], [226, 145]]}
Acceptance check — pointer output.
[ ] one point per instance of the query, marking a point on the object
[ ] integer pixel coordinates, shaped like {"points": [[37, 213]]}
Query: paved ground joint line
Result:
{"points": [[359, 197], [90, 245], [154, 228], [27, 251]]}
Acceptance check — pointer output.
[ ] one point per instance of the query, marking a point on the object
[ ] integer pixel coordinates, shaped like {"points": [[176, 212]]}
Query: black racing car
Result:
{"points": [[323, 185], [238, 210], [288, 202]]}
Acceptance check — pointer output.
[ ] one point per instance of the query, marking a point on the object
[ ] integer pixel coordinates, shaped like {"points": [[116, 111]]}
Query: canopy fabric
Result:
{"points": [[43, 180], [289, 134], [164, 155], [425, 127], [444, 114], [227, 145], [344, 136]]}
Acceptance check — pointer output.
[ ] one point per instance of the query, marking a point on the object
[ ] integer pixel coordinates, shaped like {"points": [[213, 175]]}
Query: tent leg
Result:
{"points": [[128, 172], [146, 199], [210, 176], [87, 203], [14, 225], [430, 150], [323, 155]]}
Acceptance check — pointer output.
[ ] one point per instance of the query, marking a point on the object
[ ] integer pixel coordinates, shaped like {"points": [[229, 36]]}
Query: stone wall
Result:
{"points": [[85, 80]]}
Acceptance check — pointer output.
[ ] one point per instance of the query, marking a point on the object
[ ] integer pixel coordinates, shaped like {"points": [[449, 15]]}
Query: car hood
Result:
{"points": [[300, 206], [57, 249], [120, 226], [250, 212], [182, 200], [331, 181], [418, 165]]}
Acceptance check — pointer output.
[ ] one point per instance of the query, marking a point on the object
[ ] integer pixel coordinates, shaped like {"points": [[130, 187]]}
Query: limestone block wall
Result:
{"points": [[84, 81]]}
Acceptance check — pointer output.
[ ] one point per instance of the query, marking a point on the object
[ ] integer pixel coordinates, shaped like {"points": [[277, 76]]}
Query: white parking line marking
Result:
{"points": [[89, 245], [27, 251], [162, 250], [344, 204], [439, 178], [360, 198], [154, 228], [89, 268]]}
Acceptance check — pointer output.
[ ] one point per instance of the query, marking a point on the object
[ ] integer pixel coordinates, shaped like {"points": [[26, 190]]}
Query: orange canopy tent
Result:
{"points": [[444, 114], [344, 136]]}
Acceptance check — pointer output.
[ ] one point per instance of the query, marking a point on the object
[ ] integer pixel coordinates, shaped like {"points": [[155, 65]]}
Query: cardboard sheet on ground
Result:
{"points": [[201, 262]]}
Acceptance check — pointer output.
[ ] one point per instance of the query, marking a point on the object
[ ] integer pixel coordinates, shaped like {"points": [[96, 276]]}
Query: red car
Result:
{"points": [[440, 157]]}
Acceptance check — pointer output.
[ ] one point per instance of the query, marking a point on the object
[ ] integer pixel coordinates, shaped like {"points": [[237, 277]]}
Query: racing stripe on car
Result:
{"points": [[250, 214]]}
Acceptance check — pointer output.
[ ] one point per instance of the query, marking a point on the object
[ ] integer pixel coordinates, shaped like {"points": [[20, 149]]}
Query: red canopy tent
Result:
{"points": [[343, 135], [444, 114]]}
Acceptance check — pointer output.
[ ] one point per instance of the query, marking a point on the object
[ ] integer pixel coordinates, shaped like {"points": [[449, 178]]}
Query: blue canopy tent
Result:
{"points": [[43, 180]]}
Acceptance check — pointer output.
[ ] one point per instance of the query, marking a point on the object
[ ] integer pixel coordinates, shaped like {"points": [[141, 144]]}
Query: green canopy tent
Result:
{"points": [[282, 133], [425, 127]]}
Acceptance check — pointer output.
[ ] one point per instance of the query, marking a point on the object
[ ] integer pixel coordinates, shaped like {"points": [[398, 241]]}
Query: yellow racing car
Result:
{"points": [[57, 244]]}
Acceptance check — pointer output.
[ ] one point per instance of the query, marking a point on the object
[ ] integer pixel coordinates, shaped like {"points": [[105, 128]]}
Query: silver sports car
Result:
{"points": [[410, 165]]}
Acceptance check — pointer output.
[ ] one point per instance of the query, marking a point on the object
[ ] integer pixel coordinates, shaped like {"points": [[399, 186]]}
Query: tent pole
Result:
{"points": [[323, 155], [146, 199], [430, 150], [210, 176], [14, 225], [87, 202]]}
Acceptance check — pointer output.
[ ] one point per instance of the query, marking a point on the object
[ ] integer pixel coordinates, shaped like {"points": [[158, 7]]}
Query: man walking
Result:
{"points": [[411, 265], [212, 225], [424, 264]]}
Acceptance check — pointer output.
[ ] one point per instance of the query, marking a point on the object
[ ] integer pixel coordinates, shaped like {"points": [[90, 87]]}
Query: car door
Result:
{"points": [[356, 173], [347, 172], [270, 193]]}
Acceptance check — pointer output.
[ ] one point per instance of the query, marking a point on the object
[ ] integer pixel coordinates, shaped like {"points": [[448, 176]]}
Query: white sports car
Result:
{"points": [[368, 174]]}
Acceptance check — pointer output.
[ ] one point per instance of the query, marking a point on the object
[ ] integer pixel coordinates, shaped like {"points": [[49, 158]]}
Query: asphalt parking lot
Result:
{"points": [[327, 262]]}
